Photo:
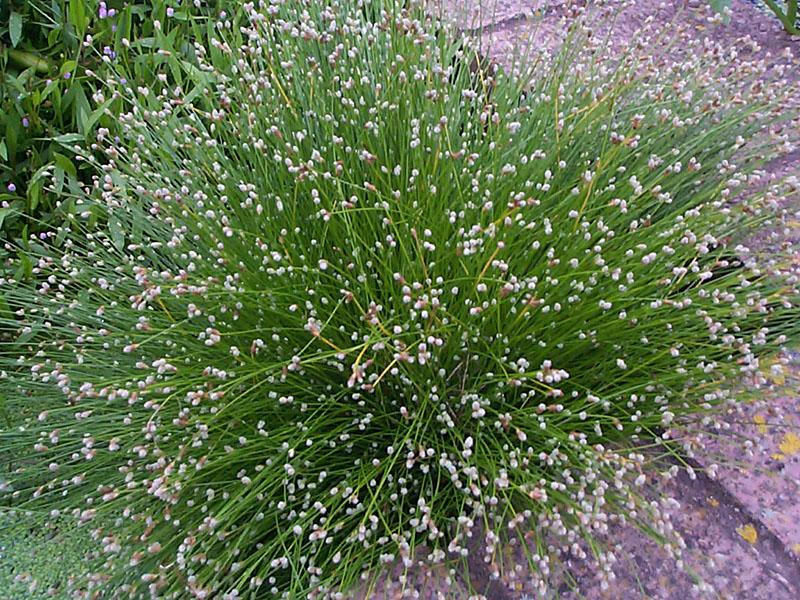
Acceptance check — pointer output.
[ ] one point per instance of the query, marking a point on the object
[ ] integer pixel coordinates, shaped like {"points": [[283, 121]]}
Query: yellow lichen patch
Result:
{"points": [[761, 422], [772, 369], [748, 533], [778, 456], [713, 501], [790, 444], [796, 549]]}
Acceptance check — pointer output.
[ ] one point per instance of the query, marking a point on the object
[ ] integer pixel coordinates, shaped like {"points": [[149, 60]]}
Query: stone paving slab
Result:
{"points": [[719, 562], [759, 458], [471, 14]]}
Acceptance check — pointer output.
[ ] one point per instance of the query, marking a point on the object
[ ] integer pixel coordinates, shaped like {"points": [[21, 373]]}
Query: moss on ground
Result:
{"points": [[37, 560]]}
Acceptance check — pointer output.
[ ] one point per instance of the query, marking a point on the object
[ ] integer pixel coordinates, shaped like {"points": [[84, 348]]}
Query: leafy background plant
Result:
{"points": [[48, 555], [47, 79]]}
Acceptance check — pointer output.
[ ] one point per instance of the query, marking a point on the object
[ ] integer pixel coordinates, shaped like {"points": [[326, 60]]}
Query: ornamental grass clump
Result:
{"points": [[347, 297]]}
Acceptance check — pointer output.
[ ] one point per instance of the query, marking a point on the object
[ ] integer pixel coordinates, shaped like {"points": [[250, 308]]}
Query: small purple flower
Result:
{"points": [[26, 122], [12, 188], [103, 11], [111, 12], [109, 52], [170, 11], [67, 75]]}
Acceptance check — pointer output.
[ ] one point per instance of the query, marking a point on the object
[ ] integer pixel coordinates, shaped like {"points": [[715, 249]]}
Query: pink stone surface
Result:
{"points": [[759, 458], [470, 14]]}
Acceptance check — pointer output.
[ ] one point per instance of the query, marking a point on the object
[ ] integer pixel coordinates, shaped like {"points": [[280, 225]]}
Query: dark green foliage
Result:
{"points": [[36, 561], [48, 77]]}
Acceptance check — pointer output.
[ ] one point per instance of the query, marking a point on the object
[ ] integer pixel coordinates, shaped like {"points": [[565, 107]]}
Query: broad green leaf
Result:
{"points": [[96, 114], [3, 213], [53, 85], [54, 35], [720, 5], [15, 28], [67, 67], [77, 16], [12, 134], [117, 233], [82, 111], [40, 173], [65, 164], [25, 269], [34, 193], [62, 235], [28, 60], [148, 42], [58, 177], [68, 138]]}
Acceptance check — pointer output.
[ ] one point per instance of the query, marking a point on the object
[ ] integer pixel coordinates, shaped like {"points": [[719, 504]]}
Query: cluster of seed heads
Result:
{"points": [[337, 301]]}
